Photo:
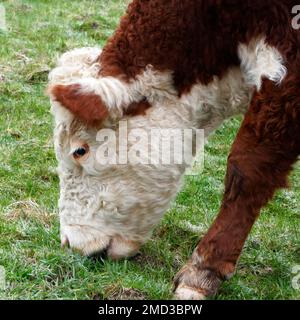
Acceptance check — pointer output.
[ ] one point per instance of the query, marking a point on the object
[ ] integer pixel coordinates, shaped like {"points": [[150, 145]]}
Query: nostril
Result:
{"points": [[65, 242], [99, 256]]}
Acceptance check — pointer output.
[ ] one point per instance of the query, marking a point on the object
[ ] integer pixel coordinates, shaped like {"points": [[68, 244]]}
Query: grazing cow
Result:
{"points": [[179, 64]]}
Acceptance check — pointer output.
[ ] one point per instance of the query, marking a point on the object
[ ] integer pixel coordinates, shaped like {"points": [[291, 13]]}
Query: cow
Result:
{"points": [[178, 64]]}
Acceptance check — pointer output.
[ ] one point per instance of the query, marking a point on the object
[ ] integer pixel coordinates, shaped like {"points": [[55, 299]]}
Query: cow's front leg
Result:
{"points": [[262, 156], [215, 257]]}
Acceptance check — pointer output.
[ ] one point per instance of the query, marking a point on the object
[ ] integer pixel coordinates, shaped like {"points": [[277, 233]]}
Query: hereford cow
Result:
{"points": [[178, 64]]}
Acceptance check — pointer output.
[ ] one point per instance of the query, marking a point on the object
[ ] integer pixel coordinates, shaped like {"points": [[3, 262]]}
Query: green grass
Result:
{"points": [[36, 266]]}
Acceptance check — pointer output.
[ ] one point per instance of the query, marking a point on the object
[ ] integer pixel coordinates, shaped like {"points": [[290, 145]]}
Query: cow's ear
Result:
{"points": [[86, 106]]}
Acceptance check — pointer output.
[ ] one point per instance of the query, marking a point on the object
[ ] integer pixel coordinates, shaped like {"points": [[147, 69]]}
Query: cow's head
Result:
{"points": [[108, 202]]}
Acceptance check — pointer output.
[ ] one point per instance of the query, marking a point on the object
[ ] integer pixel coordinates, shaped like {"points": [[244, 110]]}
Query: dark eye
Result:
{"points": [[80, 152]]}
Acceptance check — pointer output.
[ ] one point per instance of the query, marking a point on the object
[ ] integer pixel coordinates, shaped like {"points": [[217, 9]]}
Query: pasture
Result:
{"points": [[38, 31]]}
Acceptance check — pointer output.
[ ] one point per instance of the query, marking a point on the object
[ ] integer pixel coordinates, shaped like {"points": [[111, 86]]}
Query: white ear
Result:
{"points": [[60, 114]]}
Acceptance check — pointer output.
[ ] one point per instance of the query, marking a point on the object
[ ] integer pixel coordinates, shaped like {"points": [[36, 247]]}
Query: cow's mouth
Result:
{"points": [[91, 242]]}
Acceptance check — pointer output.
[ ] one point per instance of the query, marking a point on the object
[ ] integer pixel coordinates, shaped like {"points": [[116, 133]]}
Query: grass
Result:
{"points": [[36, 266]]}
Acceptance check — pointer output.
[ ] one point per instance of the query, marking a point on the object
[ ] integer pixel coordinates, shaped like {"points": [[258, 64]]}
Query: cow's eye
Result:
{"points": [[80, 152]]}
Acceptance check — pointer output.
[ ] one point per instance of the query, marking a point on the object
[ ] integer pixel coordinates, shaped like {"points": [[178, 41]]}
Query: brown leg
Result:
{"points": [[261, 158]]}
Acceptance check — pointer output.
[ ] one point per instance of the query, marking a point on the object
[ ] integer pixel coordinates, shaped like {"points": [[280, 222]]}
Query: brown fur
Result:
{"points": [[195, 39], [138, 108], [86, 107]]}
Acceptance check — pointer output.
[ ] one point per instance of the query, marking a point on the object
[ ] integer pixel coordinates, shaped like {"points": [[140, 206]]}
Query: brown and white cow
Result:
{"points": [[178, 64]]}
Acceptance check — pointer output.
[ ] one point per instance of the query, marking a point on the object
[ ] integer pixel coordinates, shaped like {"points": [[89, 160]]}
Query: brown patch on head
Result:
{"points": [[87, 107], [138, 108]]}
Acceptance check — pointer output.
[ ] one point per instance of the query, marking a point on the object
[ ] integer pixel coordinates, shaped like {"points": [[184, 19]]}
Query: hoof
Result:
{"points": [[194, 283], [187, 293]]}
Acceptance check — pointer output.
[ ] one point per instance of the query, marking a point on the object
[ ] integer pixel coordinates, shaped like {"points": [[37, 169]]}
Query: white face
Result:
{"points": [[107, 207]]}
